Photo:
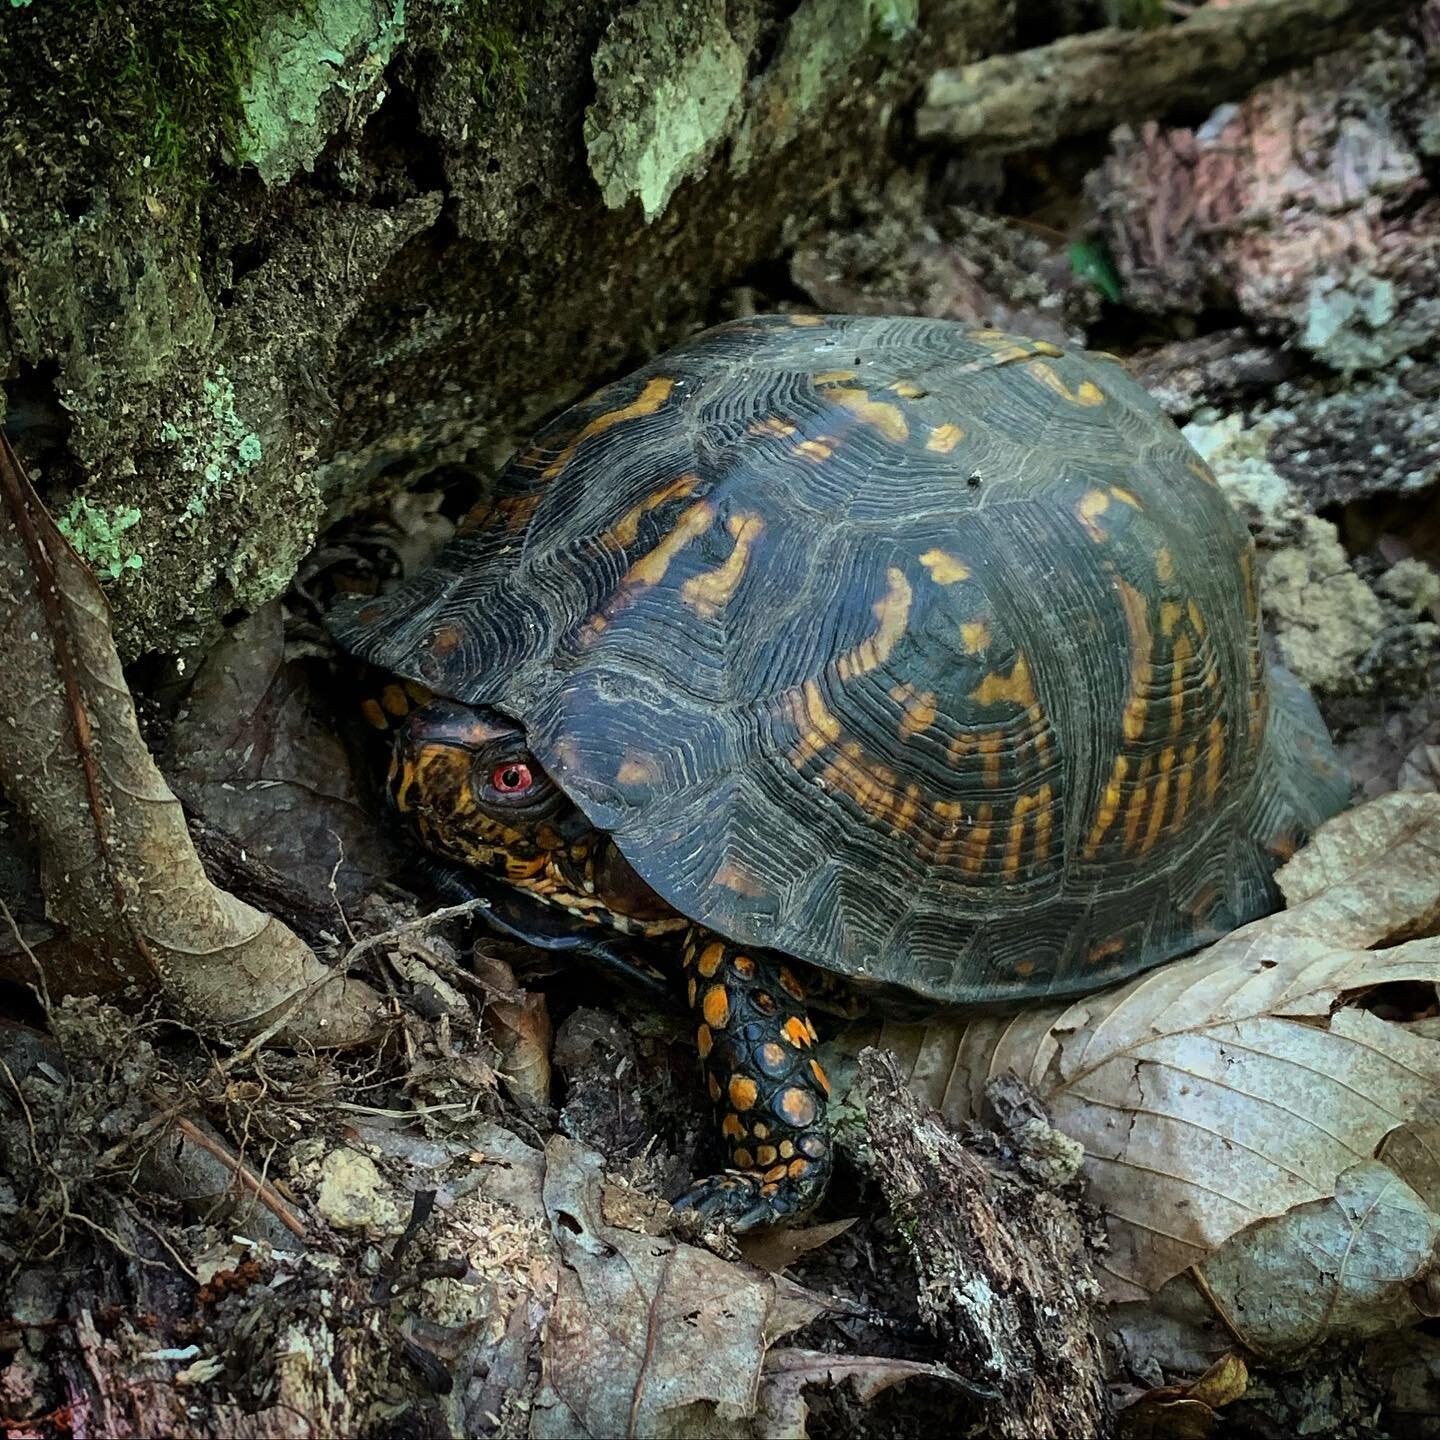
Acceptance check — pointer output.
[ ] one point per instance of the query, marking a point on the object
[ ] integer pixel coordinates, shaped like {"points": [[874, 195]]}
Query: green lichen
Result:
{"points": [[313, 66], [212, 441], [669, 81], [98, 536]]}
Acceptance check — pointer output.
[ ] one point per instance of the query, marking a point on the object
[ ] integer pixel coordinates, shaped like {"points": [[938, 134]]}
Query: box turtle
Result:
{"points": [[927, 656]]}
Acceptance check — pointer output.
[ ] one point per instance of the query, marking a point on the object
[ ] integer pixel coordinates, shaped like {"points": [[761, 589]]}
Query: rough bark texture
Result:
{"points": [[394, 235], [1092, 81], [1003, 1261]]}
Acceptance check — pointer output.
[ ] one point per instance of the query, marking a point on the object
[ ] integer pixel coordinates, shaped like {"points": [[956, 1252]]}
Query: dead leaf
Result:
{"points": [[1186, 1412], [119, 868], [251, 754], [775, 1250], [520, 1027], [782, 1406], [1370, 876], [1209, 1093], [642, 1327]]}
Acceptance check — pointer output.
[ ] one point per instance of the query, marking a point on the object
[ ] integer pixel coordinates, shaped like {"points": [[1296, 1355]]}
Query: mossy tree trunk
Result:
{"points": [[259, 261]]}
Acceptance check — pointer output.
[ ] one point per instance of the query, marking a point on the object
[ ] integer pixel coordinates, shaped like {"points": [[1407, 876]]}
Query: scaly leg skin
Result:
{"points": [[757, 1049]]}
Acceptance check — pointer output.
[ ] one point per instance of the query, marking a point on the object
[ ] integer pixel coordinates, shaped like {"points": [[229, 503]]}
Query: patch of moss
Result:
{"points": [[98, 536], [211, 441], [477, 42], [154, 86]]}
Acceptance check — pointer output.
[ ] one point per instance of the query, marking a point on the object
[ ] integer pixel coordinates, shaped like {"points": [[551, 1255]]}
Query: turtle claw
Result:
{"points": [[743, 1200]]}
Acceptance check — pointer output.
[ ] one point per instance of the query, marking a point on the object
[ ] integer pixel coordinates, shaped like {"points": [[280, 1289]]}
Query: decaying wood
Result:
{"points": [[1093, 81], [1002, 1254], [117, 863]]}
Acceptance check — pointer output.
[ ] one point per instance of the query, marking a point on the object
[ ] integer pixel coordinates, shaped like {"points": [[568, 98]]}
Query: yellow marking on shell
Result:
{"points": [[944, 438], [991, 744], [816, 451], [1139, 798], [704, 1041], [713, 1086], [975, 636], [1044, 824], [977, 842], [888, 419], [635, 771], [1200, 469], [1164, 565], [372, 712], [1141, 667], [1156, 824], [650, 399], [775, 1173], [787, 1149], [706, 594], [818, 727], [789, 984], [891, 612], [650, 569], [743, 1092], [806, 321], [744, 966], [1092, 504], [627, 528], [394, 701], [712, 957], [794, 1031], [738, 880], [1016, 688], [1104, 950], [1183, 654], [760, 1130], [871, 785], [772, 425], [716, 1007], [1086, 393], [732, 1128], [1170, 613], [765, 1154], [1126, 497], [1214, 759], [1016, 838], [919, 708], [1183, 782], [1109, 805], [834, 377], [907, 389], [944, 568], [743, 1159]]}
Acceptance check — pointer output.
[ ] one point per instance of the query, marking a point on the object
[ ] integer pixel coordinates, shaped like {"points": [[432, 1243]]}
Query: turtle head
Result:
{"points": [[464, 778]]}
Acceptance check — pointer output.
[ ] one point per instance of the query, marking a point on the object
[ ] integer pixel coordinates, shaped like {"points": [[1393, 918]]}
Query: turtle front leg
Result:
{"points": [[756, 1047]]}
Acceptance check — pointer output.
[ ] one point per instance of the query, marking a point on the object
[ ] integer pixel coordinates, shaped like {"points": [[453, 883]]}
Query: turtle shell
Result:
{"points": [[929, 655]]}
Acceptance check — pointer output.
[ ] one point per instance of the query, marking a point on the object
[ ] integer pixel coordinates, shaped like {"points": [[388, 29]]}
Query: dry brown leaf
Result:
{"points": [[1210, 1093], [519, 1023], [643, 1327], [1370, 876], [783, 1410], [1186, 1412], [120, 871], [251, 754], [774, 1250]]}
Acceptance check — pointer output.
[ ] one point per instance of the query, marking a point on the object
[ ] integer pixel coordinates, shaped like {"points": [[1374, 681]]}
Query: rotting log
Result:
{"points": [[1084, 83]]}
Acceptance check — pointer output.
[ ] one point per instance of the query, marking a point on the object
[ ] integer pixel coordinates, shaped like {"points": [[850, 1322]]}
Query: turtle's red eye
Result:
{"points": [[514, 778]]}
